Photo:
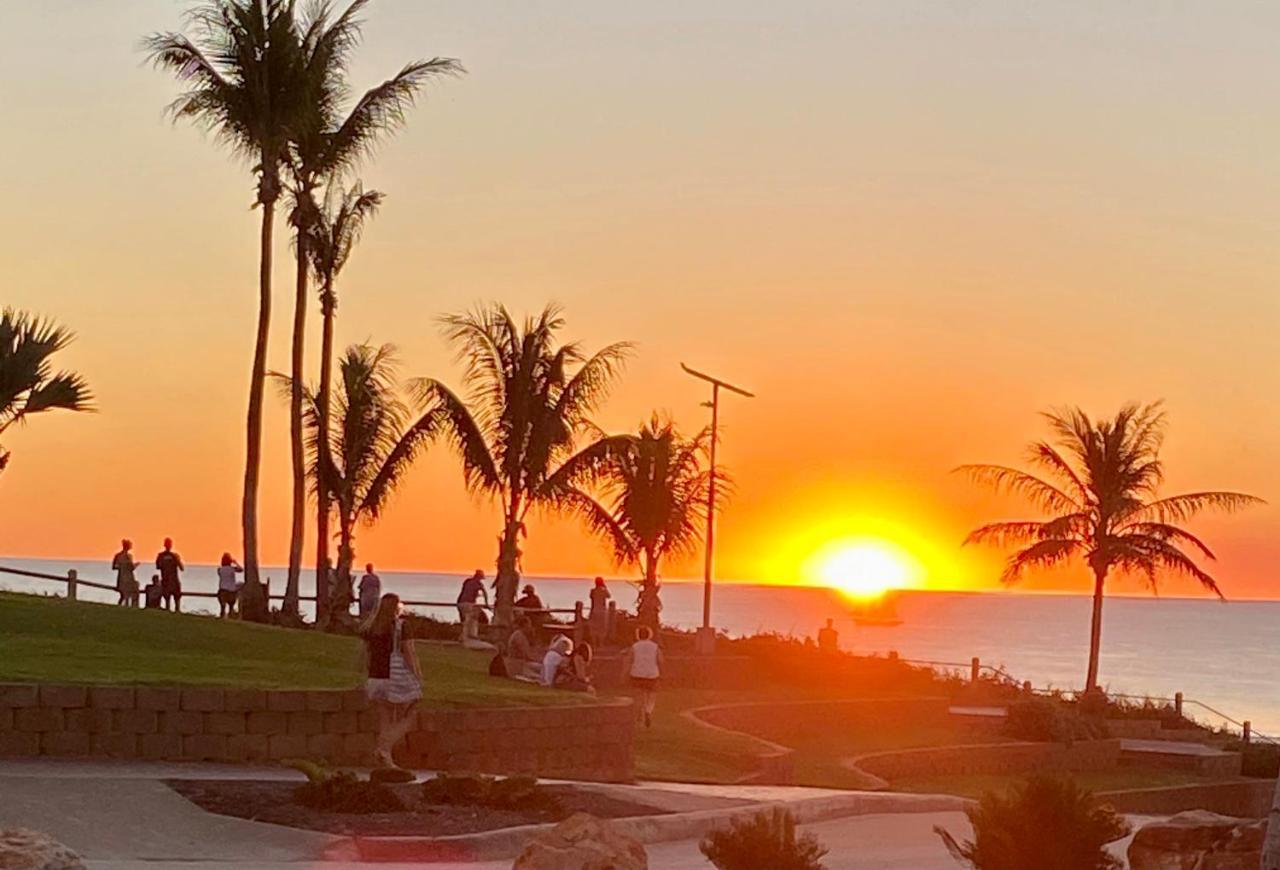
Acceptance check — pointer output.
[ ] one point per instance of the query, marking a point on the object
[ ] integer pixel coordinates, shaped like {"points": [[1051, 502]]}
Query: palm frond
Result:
{"points": [[1180, 508], [462, 431], [1042, 554], [1001, 478]]}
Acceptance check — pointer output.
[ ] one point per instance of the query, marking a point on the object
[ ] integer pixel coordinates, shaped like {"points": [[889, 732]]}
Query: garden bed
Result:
{"points": [[272, 801]]}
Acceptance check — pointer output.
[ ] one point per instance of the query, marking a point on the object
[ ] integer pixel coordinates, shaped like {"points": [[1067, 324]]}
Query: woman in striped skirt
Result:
{"points": [[394, 682]]}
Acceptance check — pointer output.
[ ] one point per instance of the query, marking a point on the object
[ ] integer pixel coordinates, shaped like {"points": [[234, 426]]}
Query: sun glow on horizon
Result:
{"points": [[864, 568]]}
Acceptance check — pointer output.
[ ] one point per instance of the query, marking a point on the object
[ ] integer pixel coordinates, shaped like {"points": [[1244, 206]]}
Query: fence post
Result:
{"points": [[612, 626], [1026, 687], [975, 667], [72, 578], [1247, 732], [1177, 703], [893, 655], [579, 625]]}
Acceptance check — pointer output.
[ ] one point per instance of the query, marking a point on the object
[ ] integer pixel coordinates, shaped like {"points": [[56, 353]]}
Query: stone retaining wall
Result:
{"points": [[990, 758], [260, 726], [1249, 799]]}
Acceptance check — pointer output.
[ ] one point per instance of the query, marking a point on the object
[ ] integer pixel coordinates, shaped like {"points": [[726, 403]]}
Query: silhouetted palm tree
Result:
{"points": [[324, 144], [367, 452], [29, 385], [655, 491], [1101, 493], [241, 73], [332, 236], [528, 409]]}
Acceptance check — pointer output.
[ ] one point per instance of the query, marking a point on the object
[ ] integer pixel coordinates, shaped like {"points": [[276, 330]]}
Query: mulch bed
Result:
{"points": [[272, 802]]}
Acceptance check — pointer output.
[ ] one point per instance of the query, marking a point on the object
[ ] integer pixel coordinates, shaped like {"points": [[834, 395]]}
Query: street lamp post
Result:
{"points": [[706, 637]]}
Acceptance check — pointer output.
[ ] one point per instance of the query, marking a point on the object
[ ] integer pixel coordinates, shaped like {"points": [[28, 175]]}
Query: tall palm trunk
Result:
{"points": [[649, 606], [1095, 628], [297, 448], [508, 570], [341, 601], [324, 404], [256, 604]]}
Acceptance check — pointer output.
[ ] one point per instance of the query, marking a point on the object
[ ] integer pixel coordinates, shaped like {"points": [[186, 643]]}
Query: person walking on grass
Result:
{"points": [[124, 565], [394, 681], [170, 566], [228, 586], [642, 664], [370, 591]]}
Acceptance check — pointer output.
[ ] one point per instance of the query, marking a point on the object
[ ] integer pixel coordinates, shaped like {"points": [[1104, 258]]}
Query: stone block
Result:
{"points": [[89, 720], [357, 748], [37, 719], [324, 702], [205, 747], [420, 742], [6, 719], [113, 745], [159, 699], [267, 722], [326, 746], [203, 700], [286, 702], [306, 723], [346, 722], [19, 695], [112, 697], [1198, 839], [355, 700], [224, 723], [137, 721], [181, 722], [285, 746], [160, 747], [63, 696], [368, 720], [19, 744], [244, 700], [251, 748], [64, 743]]}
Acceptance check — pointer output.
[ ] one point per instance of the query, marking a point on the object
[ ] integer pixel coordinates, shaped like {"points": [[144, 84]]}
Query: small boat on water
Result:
{"points": [[882, 613]]}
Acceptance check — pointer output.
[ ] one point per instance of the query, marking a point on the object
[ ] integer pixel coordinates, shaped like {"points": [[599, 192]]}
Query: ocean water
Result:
{"points": [[1224, 655]]}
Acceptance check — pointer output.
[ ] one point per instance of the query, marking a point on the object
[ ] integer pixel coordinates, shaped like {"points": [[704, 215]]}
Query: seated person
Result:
{"points": [[153, 592], [557, 657], [530, 605], [577, 676], [522, 658]]}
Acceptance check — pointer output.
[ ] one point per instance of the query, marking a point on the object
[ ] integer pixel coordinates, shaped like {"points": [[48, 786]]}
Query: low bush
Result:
{"points": [[1049, 721], [1045, 824], [763, 840], [1256, 759], [346, 793], [486, 791]]}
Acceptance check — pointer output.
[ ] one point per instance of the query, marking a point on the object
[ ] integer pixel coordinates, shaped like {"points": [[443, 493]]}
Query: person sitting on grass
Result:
{"points": [[394, 682], [557, 657], [228, 586], [642, 664], [522, 659], [152, 594], [577, 676]]}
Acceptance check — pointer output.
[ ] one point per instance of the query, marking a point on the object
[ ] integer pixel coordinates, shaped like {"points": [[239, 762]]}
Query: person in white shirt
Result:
{"points": [[642, 664], [557, 657], [228, 586]]}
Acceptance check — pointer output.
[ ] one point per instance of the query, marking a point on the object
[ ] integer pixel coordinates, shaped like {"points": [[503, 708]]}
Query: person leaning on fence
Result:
{"points": [[370, 591], [124, 565], [228, 586], [468, 611], [394, 682], [598, 624], [642, 664]]}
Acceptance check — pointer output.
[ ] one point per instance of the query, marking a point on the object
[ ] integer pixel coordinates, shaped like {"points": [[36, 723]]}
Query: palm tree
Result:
{"points": [[331, 238], [528, 410], [28, 383], [364, 458], [656, 491], [323, 145], [241, 74], [1100, 489]]}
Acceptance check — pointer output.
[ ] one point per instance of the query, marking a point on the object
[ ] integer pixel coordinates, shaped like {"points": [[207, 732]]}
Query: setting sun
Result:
{"points": [[865, 569]]}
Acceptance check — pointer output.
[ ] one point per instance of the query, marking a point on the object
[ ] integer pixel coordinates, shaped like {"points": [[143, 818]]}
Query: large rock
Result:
{"points": [[1198, 840], [583, 842], [29, 850]]}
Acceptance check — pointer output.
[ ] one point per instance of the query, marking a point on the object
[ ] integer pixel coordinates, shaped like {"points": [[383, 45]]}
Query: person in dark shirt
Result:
{"points": [[170, 566], [472, 589], [531, 606], [151, 594]]}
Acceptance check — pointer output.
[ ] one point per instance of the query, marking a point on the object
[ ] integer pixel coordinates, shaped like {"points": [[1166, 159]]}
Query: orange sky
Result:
{"points": [[906, 226]]}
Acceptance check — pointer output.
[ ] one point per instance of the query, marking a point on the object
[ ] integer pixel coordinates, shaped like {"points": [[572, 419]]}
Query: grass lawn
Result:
{"points": [[55, 640], [1117, 779]]}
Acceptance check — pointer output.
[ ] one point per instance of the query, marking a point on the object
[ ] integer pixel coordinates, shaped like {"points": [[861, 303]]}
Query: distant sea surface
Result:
{"points": [[1226, 655]]}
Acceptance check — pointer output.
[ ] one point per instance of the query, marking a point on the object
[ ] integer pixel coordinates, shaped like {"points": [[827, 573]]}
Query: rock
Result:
{"points": [[392, 775], [1198, 840], [30, 850], [582, 842]]}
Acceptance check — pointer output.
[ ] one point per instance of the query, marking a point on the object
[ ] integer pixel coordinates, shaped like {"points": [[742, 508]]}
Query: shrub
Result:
{"points": [[345, 793], [1257, 759], [1050, 721], [486, 791], [1045, 824], [763, 840]]}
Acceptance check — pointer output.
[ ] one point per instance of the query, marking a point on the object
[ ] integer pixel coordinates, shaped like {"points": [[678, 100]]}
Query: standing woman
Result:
{"points": [[642, 664], [394, 681], [598, 623], [124, 565], [228, 586]]}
